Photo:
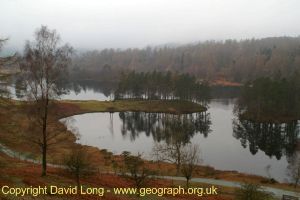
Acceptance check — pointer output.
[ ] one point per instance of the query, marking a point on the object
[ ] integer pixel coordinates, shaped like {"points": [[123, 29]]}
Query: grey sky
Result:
{"points": [[97, 24]]}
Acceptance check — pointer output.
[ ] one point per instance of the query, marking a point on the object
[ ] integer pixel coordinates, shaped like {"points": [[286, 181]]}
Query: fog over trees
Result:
{"points": [[231, 59]]}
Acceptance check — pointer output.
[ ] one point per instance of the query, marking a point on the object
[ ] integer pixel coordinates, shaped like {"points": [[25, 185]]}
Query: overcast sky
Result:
{"points": [[98, 24]]}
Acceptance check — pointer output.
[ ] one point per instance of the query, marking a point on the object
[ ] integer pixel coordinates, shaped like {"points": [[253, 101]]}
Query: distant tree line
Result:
{"points": [[5, 62], [159, 85], [3, 90], [271, 98], [233, 60]]}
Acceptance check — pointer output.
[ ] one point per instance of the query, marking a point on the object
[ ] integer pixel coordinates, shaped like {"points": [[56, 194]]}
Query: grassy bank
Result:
{"points": [[158, 106]]}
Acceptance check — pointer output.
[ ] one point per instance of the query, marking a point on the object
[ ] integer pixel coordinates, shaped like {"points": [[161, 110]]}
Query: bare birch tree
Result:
{"points": [[44, 68], [79, 163], [170, 153], [190, 160]]}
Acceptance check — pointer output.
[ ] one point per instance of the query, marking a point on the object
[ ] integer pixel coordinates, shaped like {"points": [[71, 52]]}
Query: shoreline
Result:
{"points": [[69, 108], [148, 106]]}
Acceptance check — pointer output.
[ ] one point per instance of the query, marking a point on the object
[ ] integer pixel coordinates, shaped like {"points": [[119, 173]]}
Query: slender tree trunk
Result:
{"points": [[44, 160], [78, 181], [187, 183], [177, 168], [44, 150], [178, 165]]}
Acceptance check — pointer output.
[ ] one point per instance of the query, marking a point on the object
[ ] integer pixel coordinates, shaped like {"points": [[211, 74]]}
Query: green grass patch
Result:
{"points": [[157, 106]]}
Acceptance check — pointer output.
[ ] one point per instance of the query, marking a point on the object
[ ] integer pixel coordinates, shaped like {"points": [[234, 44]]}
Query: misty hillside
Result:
{"points": [[233, 60]]}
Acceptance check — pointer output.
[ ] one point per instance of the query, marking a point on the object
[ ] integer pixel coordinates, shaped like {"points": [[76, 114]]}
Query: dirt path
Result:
{"points": [[275, 191]]}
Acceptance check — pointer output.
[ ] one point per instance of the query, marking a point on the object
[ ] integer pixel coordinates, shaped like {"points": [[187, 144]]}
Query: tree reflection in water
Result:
{"points": [[275, 139], [165, 127]]}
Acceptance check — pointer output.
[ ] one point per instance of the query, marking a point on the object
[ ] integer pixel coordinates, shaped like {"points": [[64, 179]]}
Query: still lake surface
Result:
{"points": [[215, 131]]}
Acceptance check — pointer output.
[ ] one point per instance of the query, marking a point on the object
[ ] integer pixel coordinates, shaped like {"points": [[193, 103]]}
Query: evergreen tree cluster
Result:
{"points": [[271, 98], [159, 85]]}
